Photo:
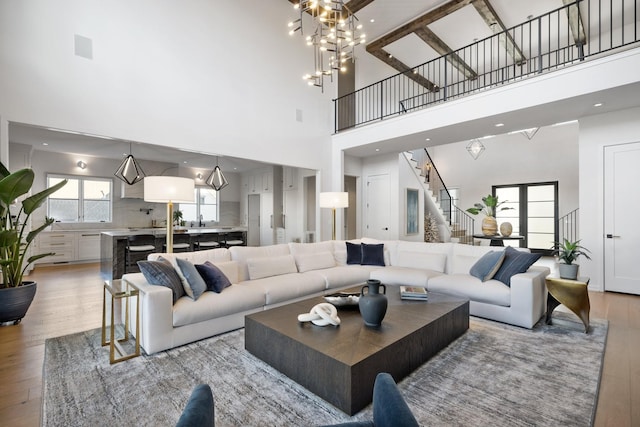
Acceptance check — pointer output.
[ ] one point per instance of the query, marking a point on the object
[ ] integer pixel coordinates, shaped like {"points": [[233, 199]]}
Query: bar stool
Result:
{"points": [[235, 238], [137, 249], [206, 241], [181, 243]]}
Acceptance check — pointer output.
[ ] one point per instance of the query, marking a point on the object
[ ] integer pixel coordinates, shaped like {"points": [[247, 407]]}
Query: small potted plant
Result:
{"points": [[16, 238], [567, 253], [489, 207]]}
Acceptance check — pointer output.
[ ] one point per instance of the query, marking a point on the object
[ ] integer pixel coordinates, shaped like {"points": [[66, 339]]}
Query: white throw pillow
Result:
{"points": [[230, 269], [271, 266], [424, 261], [315, 261]]}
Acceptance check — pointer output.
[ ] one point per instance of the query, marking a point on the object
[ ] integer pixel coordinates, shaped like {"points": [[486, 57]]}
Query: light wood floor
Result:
{"points": [[69, 299]]}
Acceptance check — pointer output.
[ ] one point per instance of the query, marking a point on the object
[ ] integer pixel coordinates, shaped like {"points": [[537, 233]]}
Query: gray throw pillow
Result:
{"points": [[487, 266], [161, 273], [515, 262], [195, 281], [215, 279]]}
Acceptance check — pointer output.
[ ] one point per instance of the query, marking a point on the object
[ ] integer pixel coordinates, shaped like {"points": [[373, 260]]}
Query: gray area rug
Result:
{"points": [[494, 375]]}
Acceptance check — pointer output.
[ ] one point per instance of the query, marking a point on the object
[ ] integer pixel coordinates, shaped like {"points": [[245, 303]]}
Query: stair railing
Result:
{"points": [[568, 226]]}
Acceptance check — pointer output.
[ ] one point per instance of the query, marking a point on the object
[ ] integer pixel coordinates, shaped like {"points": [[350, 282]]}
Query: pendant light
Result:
{"points": [[216, 180], [129, 170]]}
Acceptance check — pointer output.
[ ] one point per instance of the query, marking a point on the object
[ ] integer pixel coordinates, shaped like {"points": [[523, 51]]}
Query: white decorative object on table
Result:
{"points": [[506, 229], [322, 314]]}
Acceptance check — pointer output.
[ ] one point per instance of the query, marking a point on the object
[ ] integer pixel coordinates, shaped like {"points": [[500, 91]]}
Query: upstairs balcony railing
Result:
{"points": [[557, 39]]}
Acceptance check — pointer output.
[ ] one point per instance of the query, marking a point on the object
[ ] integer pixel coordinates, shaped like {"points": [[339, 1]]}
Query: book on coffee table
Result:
{"points": [[413, 292]]}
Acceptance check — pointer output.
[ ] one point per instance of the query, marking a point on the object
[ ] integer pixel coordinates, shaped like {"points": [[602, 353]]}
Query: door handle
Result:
{"points": [[386, 229], [611, 236]]}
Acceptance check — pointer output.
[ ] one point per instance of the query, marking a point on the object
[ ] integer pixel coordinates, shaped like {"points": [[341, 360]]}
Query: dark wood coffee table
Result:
{"points": [[340, 363]]}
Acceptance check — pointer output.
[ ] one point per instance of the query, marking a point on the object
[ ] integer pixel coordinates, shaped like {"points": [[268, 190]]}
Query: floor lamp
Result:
{"points": [[334, 200], [169, 190]]}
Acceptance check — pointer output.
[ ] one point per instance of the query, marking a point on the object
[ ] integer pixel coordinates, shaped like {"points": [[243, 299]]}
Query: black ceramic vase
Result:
{"points": [[373, 304]]}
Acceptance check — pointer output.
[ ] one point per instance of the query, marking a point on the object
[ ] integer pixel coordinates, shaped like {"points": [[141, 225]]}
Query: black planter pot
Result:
{"points": [[14, 302]]}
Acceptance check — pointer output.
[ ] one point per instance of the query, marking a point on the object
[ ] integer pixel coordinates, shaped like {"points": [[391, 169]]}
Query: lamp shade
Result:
{"points": [[164, 189], [334, 200]]}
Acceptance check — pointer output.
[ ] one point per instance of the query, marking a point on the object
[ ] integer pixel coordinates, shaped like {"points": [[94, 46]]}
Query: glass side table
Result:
{"points": [[120, 294]]}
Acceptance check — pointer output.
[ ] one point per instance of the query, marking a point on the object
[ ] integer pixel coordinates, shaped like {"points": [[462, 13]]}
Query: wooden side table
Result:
{"points": [[573, 294], [121, 293]]}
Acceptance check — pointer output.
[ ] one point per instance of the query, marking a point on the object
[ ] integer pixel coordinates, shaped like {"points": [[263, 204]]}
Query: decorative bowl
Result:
{"points": [[343, 299]]}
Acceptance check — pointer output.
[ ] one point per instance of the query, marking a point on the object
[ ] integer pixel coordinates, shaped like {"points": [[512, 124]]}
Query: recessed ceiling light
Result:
{"points": [[390, 56], [45, 143], [185, 162], [598, 104], [427, 139], [499, 125], [568, 122], [372, 20], [377, 149]]}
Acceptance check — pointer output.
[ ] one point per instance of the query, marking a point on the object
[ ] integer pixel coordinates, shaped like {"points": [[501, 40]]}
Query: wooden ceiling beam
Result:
{"points": [[443, 49], [384, 56], [496, 25]]}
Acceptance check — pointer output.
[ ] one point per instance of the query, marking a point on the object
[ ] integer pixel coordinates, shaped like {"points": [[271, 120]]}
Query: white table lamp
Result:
{"points": [[334, 200], [169, 190]]}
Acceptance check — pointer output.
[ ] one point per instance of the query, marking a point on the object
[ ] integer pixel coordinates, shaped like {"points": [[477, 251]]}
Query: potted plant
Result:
{"points": [[489, 207], [567, 253], [16, 295], [178, 220]]}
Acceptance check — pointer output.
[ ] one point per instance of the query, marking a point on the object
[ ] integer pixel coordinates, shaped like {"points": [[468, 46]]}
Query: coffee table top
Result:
{"points": [[352, 341]]}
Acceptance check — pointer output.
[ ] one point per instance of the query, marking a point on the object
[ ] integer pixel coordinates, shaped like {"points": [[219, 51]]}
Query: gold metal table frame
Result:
{"points": [[573, 294], [115, 289]]}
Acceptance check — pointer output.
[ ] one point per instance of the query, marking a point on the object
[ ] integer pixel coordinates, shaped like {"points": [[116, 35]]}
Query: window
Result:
{"points": [[205, 208], [81, 200], [534, 214]]}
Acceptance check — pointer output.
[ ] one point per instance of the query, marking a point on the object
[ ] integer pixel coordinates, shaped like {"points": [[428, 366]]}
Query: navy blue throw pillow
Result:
{"points": [[215, 279], [354, 253], [373, 254], [515, 262], [162, 273]]}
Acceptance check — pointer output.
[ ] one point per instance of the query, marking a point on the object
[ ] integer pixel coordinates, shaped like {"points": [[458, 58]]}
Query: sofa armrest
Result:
{"points": [[528, 294], [156, 313]]}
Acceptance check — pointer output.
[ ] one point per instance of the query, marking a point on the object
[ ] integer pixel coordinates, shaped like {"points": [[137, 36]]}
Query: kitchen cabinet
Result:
{"points": [[267, 182], [62, 244], [88, 246], [290, 178]]}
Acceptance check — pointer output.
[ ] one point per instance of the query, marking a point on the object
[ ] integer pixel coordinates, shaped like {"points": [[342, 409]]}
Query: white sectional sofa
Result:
{"points": [[265, 277]]}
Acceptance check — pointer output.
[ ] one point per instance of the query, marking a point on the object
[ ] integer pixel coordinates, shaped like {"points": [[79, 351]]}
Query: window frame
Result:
{"points": [[197, 199], [81, 199]]}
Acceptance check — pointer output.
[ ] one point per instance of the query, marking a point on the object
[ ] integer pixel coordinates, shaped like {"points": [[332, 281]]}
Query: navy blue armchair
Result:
{"points": [[389, 407]]}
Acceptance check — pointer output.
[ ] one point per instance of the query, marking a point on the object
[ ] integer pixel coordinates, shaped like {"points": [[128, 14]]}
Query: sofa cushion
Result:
{"points": [[271, 266], [215, 280], [230, 269], [162, 273], [196, 257], [354, 253], [404, 276], [317, 261], [515, 262], [285, 287], [487, 266], [467, 286], [235, 299], [426, 261], [310, 248], [241, 254], [373, 254], [195, 284], [343, 275]]}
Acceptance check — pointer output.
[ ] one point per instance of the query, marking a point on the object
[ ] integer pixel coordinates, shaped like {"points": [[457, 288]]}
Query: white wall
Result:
{"points": [[597, 132], [552, 155], [219, 77]]}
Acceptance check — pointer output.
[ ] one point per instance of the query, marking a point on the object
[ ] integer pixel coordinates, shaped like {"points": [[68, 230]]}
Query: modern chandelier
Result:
{"points": [[129, 170], [333, 35]]}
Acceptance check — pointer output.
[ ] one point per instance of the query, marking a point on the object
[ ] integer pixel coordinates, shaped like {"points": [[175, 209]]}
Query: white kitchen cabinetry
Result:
{"points": [[88, 246], [63, 244], [267, 182], [290, 178], [135, 191]]}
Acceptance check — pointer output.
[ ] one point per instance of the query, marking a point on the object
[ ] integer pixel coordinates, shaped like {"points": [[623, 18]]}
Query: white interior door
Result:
{"points": [[378, 207], [253, 226], [266, 219], [622, 235]]}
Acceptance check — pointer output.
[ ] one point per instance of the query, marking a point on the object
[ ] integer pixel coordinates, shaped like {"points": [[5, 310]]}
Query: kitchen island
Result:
{"points": [[113, 243]]}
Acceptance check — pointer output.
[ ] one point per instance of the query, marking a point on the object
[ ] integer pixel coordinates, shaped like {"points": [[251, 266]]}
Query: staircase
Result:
{"points": [[454, 224]]}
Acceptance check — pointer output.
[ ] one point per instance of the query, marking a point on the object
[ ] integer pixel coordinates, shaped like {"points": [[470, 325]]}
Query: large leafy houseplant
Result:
{"points": [[15, 234]]}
